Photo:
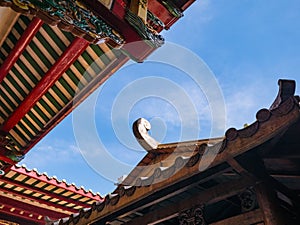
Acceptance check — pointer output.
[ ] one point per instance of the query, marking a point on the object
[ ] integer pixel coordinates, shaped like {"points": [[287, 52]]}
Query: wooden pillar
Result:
{"points": [[269, 204]]}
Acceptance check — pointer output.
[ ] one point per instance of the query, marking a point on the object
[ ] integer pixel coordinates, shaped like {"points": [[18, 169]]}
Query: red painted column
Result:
{"points": [[74, 50], [20, 46]]}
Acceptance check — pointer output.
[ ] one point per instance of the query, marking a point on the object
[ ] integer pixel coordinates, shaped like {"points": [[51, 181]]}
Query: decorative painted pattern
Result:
{"points": [[154, 40], [89, 70], [172, 8], [70, 16]]}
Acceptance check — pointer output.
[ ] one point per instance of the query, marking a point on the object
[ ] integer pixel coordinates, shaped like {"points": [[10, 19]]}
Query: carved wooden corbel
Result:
{"points": [[193, 216], [248, 200]]}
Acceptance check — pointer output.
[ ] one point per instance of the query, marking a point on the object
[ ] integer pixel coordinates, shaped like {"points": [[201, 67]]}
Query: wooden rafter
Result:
{"points": [[20, 46], [60, 66]]}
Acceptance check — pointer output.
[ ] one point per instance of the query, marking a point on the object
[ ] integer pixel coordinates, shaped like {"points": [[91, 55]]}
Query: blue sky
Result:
{"points": [[247, 44]]}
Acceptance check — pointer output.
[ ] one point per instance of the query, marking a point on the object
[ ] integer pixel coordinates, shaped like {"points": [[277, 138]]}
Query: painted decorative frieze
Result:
{"points": [[69, 15]]}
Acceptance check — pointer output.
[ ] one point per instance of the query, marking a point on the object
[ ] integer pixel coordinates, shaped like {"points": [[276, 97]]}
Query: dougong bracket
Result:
{"points": [[69, 15]]}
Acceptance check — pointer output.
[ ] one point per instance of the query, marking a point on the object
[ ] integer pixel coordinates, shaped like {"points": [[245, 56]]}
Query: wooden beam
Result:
{"points": [[253, 164], [252, 217], [269, 204], [209, 196], [100, 79], [20, 46], [61, 65]]}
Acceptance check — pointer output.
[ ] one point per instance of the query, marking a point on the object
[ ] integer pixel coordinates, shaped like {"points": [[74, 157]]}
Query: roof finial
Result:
{"points": [[140, 130], [286, 89]]}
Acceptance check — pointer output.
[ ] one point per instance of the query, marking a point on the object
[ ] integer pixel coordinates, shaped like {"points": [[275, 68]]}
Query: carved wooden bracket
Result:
{"points": [[248, 200], [193, 216], [140, 130], [7, 152], [69, 15]]}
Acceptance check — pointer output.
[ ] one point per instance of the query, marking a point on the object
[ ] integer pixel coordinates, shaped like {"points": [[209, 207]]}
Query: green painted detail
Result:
{"points": [[154, 40], [41, 56], [12, 38], [35, 119], [46, 106], [172, 8], [48, 47], [29, 124], [73, 13], [55, 38], [60, 95], [68, 35], [83, 71], [27, 72], [101, 54], [4, 107], [72, 77], [67, 86], [2, 56], [23, 128], [7, 148], [154, 19], [18, 28], [10, 93], [25, 19], [33, 63], [17, 87], [6, 47], [21, 78], [41, 114]]}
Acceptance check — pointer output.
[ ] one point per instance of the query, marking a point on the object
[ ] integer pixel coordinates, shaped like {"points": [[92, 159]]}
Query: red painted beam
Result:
{"points": [[108, 71], [74, 50], [20, 46], [44, 192], [29, 209], [5, 159]]}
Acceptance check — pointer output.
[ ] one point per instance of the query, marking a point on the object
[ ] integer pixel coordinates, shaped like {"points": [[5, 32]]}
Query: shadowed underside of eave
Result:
{"points": [[86, 73]]}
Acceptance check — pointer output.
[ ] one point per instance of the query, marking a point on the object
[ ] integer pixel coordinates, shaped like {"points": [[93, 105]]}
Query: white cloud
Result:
{"points": [[50, 151]]}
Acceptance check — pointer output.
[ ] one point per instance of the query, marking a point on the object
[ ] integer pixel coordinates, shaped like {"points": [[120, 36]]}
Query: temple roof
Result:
{"points": [[53, 54], [163, 183], [34, 196]]}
